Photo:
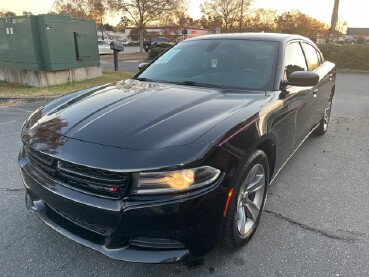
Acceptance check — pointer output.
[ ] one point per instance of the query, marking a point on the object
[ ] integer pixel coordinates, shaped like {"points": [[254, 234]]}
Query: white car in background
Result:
{"points": [[104, 47]]}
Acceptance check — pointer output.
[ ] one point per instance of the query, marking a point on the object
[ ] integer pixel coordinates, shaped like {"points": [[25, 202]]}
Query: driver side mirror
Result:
{"points": [[302, 79]]}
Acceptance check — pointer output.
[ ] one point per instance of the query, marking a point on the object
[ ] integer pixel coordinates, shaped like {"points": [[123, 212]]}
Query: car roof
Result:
{"points": [[253, 36]]}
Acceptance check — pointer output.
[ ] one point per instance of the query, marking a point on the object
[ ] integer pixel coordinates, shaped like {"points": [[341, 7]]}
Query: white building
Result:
{"points": [[157, 31]]}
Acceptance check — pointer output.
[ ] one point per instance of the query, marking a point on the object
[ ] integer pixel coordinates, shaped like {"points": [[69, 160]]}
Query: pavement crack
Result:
{"points": [[355, 233], [11, 189], [310, 228]]}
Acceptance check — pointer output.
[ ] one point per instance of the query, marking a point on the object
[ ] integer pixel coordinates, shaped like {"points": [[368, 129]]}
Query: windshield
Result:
{"points": [[226, 63]]}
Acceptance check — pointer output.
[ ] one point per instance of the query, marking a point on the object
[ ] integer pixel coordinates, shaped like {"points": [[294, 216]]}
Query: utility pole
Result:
{"points": [[241, 17], [334, 19]]}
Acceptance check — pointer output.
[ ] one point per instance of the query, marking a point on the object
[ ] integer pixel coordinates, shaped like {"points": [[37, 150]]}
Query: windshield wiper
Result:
{"points": [[198, 84], [144, 79]]}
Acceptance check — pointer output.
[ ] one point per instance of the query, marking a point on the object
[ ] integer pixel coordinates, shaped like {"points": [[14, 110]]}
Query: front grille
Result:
{"points": [[73, 228], [97, 228], [95, 181]]}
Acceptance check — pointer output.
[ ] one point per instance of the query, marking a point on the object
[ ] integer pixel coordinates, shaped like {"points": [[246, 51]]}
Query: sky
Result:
{"points": [[355, 12]]}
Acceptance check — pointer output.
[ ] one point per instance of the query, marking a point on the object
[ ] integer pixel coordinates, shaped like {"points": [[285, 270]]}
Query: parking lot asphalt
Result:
{"points": [[315, 223], [129, 65]]}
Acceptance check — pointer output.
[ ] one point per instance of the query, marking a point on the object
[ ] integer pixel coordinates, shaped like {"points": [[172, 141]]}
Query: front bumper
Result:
{"points": [[150, 230]]}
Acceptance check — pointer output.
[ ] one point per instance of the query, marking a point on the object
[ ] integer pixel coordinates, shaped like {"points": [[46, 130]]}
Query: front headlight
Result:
{"points": [[175, 181]]}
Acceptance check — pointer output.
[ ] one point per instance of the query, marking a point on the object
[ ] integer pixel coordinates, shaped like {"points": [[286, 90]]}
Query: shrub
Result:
{"points": [[350, 56], [153, 53], [360, 40]]}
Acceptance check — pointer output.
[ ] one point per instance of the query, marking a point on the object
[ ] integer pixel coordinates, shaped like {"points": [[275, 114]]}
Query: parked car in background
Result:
{"points": [[160, 167], [156, 42], [132, 43], [104, 47], [127, 42]]}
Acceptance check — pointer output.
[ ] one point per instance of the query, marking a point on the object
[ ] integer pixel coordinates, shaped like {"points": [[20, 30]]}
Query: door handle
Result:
{"points": [[315, 92]]}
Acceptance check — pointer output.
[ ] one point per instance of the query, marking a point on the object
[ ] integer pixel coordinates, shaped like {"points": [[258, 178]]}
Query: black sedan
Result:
{"points": [[157, 42], [161, 167]]}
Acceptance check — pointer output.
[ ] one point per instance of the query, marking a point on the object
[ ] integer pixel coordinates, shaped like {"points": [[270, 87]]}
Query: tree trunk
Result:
{"points": [[141, 33], [334, 19], [102, 28], [241, 17]]}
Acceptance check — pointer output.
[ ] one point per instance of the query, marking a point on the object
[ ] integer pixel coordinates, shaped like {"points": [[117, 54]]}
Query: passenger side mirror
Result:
{"points": [[302, 79], [142, 66]]}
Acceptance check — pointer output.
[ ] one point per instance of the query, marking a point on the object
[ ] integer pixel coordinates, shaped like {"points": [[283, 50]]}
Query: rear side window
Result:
{"points": [[311, 56], [321, 58], [294, 59]]}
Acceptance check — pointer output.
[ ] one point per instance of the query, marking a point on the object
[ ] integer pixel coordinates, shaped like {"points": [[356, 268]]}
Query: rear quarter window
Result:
{"points": [[311, 56]]}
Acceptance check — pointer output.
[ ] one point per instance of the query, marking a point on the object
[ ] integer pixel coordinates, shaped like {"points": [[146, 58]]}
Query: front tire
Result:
{"points": [[247, 203]]}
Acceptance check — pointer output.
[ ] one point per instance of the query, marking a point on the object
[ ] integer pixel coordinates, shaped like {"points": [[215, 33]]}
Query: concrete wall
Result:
{"points": [[48, 78]]}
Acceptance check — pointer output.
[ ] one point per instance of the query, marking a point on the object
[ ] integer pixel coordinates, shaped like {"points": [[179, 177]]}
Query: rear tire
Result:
{"points": [[324, 122], [247, 202]]}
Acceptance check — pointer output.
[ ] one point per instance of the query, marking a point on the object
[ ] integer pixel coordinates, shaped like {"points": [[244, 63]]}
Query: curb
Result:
{"points": [[357, 71], [28, 99]]}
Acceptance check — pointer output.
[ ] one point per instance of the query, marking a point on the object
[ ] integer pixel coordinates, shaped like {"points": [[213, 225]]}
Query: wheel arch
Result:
{"points": [[268, 146]]}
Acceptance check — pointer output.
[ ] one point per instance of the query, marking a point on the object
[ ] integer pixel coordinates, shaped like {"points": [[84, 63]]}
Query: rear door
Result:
{"points": [[301, 100], [326, 74]]}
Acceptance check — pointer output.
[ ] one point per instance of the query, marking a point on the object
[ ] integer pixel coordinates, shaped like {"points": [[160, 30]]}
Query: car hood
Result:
{"points": [[143, 115]]}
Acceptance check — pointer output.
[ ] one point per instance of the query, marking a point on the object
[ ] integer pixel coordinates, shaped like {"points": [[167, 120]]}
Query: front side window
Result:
{"points": [[223, 63], [294, 59]]}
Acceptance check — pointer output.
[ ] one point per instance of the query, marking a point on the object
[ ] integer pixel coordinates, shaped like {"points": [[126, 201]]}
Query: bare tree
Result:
{"points": [[144, 11], [230, 11], [92, 9], [75, 8], [262, 20], [97, 11]]}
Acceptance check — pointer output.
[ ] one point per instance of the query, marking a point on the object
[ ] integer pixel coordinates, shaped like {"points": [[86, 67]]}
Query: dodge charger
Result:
{"points": [[161, 167]]}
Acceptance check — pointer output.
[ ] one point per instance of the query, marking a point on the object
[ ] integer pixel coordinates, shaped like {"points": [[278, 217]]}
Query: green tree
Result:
{"points": [[123, 23], [108, 27], [4, 13], [25, 13]]}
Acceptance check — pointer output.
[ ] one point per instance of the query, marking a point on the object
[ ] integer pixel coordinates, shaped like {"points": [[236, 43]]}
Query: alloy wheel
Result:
{"points": [[327, 113], [250, 200]]}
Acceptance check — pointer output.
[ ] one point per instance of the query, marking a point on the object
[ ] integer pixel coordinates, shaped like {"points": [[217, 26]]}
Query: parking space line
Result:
{"points": [[9, 122], [21, 110]]}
